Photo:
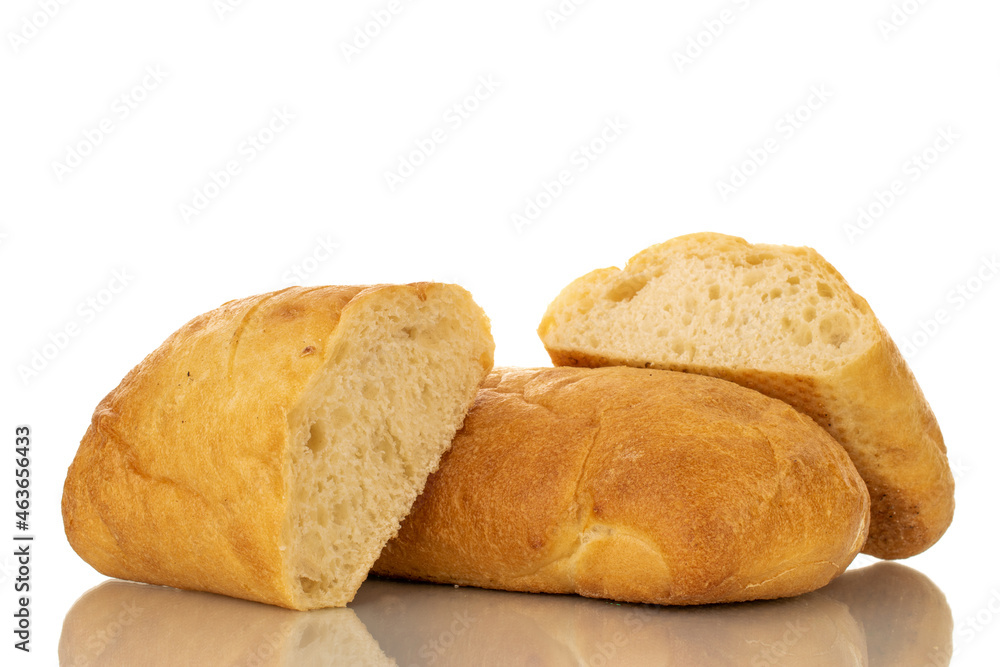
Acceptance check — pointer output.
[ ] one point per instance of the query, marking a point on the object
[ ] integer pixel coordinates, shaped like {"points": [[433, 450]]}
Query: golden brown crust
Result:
{"points": [[181, 478], [898, 451], [872, 405], [642, 486]]}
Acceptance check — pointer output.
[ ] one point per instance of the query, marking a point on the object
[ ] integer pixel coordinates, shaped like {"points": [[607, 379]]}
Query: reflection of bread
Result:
{"points": [[436, 625], [634, 485], [269, 448], [783, 321], [422, 624], [121, 623], [905, 616]]}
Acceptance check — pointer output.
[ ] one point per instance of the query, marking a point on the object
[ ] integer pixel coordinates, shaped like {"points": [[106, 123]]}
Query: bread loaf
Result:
{"points": [[634, 485], [269, 448], [780, 320]]}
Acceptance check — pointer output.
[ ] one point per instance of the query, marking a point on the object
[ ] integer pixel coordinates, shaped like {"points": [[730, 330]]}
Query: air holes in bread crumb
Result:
{"points": [[824, 290], [835, 329], [387, 447], [759, 258], [793, 280], [317, 438], [714, 292], [809, 314], [308, 585], [753, 277], [626, 289]]}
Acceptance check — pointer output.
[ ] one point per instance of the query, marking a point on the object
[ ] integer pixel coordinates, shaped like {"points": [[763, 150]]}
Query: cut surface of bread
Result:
{"points": [[783, 321], [634, 485], [268, 449]]}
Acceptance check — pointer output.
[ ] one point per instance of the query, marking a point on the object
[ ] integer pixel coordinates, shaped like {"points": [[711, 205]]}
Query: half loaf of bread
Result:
{"points": [[634, 485], [783, 321], [269, 448]]}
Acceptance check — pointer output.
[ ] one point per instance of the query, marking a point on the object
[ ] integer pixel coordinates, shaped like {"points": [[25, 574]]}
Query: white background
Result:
{"points": [[684, 127]]}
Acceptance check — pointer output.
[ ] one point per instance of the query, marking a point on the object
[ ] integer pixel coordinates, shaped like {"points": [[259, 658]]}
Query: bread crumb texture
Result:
{"points": [[783, 321], [269, 448], [716, 300]]}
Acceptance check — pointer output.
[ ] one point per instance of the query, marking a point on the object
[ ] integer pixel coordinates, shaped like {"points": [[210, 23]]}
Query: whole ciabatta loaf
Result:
{"points": [[783, 321], [634, 485], [269, 448]]}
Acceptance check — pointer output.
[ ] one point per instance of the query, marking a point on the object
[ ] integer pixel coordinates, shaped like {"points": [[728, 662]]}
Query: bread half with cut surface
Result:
{"points": [[783, 321], [269, 448], [634, 485]]}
